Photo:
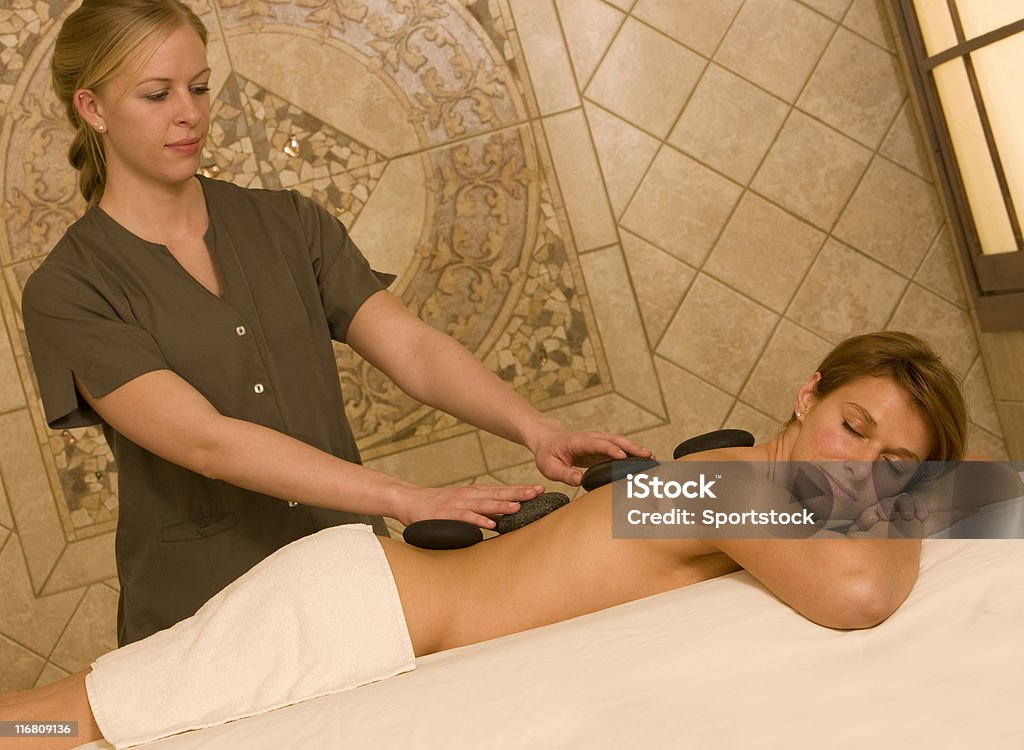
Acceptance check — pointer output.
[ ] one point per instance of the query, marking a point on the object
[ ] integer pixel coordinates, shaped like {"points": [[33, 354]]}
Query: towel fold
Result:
{"points": [[319, 616]]}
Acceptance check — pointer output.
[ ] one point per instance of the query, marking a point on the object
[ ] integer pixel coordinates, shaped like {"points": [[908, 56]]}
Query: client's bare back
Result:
{"points": [[564, 565]]}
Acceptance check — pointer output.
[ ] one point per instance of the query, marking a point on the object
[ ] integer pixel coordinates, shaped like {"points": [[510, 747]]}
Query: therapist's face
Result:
{"points": [[155, 112], [861, 443]]}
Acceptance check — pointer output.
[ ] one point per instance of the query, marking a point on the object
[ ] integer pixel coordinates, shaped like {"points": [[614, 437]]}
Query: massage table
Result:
{"points": [[719, 664]]}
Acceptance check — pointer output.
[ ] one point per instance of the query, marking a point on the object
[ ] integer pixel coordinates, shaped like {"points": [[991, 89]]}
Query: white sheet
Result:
{"points": [[718, 665]]}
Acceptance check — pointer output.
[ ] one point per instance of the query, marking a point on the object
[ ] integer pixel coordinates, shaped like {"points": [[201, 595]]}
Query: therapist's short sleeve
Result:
{"points": [[344, 276], [74, 330]]}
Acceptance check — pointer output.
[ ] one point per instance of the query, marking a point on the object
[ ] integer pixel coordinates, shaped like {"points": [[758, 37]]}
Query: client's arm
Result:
{"points": [[61, 701], [830, 579]]}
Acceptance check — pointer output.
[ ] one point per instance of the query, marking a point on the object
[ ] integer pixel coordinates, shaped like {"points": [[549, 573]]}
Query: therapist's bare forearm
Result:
{"points": [[263, 460], [447, 376]]}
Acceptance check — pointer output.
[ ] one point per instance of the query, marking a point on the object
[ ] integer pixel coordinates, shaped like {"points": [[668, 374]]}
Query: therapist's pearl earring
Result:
{"points": [[100, 127]]}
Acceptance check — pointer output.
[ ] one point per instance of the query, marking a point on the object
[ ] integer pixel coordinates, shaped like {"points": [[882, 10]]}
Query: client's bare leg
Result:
{"points": [[63, 700]]}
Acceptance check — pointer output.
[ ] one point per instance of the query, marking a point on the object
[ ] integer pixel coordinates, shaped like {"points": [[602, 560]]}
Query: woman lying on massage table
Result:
{"points": [[878, 404]]}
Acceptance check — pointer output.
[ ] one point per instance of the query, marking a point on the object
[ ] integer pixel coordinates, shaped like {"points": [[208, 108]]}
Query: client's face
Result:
{"points": [[865, 440]]}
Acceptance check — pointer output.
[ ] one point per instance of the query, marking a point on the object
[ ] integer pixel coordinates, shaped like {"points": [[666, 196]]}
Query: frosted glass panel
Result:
{"points": [[936, 25], [1005, 106], [982, 16], [979, 177]]}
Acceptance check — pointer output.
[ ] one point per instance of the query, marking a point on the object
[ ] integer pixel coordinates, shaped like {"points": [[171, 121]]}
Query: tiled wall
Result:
{"points": [[650, 216]]}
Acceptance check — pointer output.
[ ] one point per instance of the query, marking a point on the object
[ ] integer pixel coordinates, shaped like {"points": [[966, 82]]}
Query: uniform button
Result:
{"points": [[258, 388], [292, 503], [240, 330]]}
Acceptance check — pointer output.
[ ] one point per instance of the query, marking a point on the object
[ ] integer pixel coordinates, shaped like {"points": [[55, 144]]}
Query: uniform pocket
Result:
{"points": [[200, 528]]}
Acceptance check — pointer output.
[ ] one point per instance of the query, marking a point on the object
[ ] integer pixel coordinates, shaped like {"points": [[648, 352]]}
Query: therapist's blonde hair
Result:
{"points": [[91, 48]]}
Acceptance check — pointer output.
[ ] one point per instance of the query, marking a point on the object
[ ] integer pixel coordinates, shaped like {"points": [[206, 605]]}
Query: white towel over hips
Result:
{"points": [[319, 616]]}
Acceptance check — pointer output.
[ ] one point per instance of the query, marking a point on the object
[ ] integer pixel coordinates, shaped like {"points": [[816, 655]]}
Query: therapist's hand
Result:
{"points": [[474, 504], [560, 452]]}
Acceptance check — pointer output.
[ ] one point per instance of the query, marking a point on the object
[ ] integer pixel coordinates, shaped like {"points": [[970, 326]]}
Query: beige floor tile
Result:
{"points": [[4, 534], [761, 426], [834, 9], [659, 280], [846, 293], [50, 673], [857, 88], [36, 623], [904, 144], [6, 519], [939, 271], [611, 413], [729, 123], [390, 226], [12, 395], [694, 407], [789, 360], [499, 453], [764, 252], [621, 328], [1011, 416], [893, 216], [775, 44], [579, 178], [698, 24], [645, 78], [868, 18], [91, 632], [436, 464], [811, 170], [946, 327], [83, 562], [589, 26], [358, 103], [623, 151], [681, 206], [1004, 357], [717, 334], [980, 404], [20, 666], [28, 491], [547, 59], [525, 473], [983, 443]]}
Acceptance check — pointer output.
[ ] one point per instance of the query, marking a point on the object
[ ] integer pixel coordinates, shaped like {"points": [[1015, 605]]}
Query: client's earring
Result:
{"points": [[799, 415]]}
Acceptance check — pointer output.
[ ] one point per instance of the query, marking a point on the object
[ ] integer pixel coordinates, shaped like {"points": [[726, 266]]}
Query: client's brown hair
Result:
{"points": [[917, 369]]}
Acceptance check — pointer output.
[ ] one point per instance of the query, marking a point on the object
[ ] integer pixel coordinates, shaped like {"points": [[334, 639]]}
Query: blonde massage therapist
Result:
{"points": [[194, 320]]}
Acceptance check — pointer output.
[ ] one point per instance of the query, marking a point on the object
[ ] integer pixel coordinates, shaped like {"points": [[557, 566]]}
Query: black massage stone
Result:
{"points": [[442, 533], [530, 511], [710, 441], [613, 470]]}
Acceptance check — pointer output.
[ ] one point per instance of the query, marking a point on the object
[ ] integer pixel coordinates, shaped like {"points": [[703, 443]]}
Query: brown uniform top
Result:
{"points": [[108, 306]]}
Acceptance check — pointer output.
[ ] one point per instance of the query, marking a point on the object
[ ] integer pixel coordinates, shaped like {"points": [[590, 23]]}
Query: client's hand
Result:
{"points": [[561, 452], [903, 507], [472, 504]]}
